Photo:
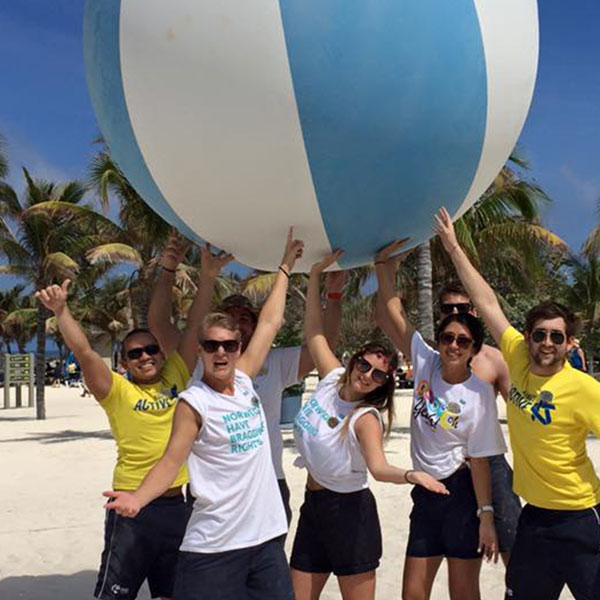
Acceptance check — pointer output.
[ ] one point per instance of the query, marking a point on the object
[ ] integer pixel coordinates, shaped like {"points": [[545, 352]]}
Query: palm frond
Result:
{"points": [[115, 253]]}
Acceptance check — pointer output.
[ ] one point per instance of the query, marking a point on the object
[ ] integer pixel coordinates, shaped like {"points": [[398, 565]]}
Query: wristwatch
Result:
{"points": [[485, 508]]}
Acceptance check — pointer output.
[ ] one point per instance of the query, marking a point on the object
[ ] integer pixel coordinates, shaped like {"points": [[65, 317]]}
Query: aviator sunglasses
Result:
{"points": [[462, 341], [135, 353], [447, 308], [212, 346], [377, 375], [540, 335]]}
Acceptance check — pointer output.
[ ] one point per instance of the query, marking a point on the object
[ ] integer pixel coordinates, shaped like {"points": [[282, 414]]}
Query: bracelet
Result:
{"points": [[334, 295], [485, 508], [284, 271], [380, 262], [406, 476], [167, 269]]}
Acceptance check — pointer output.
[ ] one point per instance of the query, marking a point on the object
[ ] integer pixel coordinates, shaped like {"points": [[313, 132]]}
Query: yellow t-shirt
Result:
{"points": [[140, 418], [549, 419]]}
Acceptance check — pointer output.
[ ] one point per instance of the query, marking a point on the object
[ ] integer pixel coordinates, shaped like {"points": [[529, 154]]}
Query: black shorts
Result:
{"points": [[445, 525], [145, 547], [507, 506], [337, 533], [555, 548]]}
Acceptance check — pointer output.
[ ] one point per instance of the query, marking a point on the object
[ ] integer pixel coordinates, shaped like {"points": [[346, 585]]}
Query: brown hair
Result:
{"points": [[382, 397], [219, 319], [452, 288], [552, 310]]}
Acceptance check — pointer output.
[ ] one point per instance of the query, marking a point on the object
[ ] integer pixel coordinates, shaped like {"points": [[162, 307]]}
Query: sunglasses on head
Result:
{"points": [[462, 341], [377, 375], [212, 346], [556, 337], [135, 353], [447, 308]]}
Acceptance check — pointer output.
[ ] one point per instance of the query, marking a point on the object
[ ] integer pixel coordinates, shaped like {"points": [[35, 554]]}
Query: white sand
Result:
{"points": [[51, 518]]}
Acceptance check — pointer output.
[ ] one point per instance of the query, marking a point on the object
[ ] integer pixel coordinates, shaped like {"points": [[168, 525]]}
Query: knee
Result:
{"points": [[413, 593]]}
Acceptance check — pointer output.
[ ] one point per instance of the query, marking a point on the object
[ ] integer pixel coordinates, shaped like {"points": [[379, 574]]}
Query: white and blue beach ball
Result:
{"points": [[353, 120]]}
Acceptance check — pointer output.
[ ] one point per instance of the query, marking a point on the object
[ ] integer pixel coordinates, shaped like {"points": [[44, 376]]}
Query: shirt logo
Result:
{"points": [[164, 400], [435, 410], [540, 409]]}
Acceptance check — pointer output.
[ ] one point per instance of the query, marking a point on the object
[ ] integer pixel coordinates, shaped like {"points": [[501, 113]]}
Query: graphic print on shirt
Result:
{"points": [[538, 407], [302, 423], [245, 435], [164, 400], [435, 410]]}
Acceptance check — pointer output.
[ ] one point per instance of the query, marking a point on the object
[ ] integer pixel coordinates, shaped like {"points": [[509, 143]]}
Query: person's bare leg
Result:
{"points": [[418, 577], [463, 578], [357, 587], [308, 586]]}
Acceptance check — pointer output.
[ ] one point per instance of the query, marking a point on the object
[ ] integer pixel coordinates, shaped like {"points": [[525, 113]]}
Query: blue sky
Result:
{"points": [[47, 119]]}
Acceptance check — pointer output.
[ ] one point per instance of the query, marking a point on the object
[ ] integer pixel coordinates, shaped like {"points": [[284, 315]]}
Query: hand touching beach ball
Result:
{"points": [[352, 121]]}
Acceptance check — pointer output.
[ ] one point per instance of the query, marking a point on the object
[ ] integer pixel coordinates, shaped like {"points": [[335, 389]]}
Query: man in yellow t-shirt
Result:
{"points": [[140, 409], [551, 409]]}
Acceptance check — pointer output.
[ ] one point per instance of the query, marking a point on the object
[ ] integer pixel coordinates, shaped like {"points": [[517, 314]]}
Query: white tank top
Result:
{"points": [[333, 458], [238, 503]]}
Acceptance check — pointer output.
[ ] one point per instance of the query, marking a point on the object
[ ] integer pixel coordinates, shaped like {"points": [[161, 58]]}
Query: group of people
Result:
{"points": [[201, 407]]}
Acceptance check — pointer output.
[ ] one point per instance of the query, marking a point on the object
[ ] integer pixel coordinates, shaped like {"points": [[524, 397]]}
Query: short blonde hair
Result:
{"points": [[219, 319]]}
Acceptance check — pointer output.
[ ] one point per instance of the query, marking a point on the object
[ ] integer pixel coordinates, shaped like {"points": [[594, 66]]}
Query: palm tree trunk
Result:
{"points": [[424, 291], [40, 363]]}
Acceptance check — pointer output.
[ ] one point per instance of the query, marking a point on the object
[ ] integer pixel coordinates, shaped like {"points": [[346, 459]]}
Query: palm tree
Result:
{"points": [[44, 237], [10, 300]]}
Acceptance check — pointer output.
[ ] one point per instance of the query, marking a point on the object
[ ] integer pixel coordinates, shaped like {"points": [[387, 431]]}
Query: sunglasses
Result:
{"points": [[135, 353], [462, 341], [556, 337], [212, 346], [377, 375], [447, 308]]}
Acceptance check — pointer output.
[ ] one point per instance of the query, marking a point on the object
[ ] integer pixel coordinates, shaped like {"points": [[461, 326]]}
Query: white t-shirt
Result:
{"points": [[450, 422], [238, 504], [333, 458], [280, 370]]}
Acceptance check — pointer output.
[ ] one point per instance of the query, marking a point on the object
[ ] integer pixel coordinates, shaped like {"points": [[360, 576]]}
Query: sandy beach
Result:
{"points": [[54, 471]]}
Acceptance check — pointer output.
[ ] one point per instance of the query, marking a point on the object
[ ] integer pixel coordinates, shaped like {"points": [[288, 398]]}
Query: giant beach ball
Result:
{"points": [[353, 120]]}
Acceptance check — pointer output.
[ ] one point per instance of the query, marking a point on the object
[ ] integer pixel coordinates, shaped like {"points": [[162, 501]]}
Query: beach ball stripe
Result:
{"points": [[352, 121]]}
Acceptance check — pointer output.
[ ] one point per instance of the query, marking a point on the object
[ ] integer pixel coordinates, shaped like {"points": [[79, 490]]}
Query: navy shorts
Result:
{"points": [[337, 533], [507, 506], [555, 548], [445, 525], [145, 547], [257, 573]]}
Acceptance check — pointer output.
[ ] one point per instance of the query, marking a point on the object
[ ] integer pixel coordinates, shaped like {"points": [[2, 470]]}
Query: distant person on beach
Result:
{"points": [[283, 367], [551, 408], [577, 357], [489, 366], [232, 548], [339, 434], [454, 430], [140, 408]]}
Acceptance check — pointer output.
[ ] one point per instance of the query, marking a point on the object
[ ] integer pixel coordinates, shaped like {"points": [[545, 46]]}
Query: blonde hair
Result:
{"points": [[219, 319]]}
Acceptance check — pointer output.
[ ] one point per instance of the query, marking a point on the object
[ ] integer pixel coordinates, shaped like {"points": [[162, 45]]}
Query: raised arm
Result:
{"points": [[399, 328], [270, 318], [98, 376], [186, 424], [161, 303], [314, 331], [481, 294], [332, 319], [209, 271]]}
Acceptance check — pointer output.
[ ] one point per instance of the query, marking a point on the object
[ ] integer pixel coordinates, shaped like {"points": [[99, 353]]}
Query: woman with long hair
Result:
{"points": [[339, 433], [454, 429]]}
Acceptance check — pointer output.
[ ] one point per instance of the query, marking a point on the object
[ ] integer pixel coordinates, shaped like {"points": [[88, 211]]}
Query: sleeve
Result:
{"points": [[288, 361], [357, 414], [588, 406], [485, 437], [175, 369], [195, 398], [510, 343], [423, 357], [109, 402]]}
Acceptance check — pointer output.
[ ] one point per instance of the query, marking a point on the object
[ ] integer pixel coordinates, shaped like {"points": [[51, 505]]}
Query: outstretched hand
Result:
{"points": [[123, 503], [385, 254], [213, 263], [326, 262], [428, 482], [175, 250], [54, 297], [293, 250], [445, 229], [488, 539]]}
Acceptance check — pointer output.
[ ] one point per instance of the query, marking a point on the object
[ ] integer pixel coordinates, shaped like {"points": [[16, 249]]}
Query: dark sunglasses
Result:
{"points": [[377, 375], [462, 341], [212, 346], [556, 337], [447, 308], [135, 353]]}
